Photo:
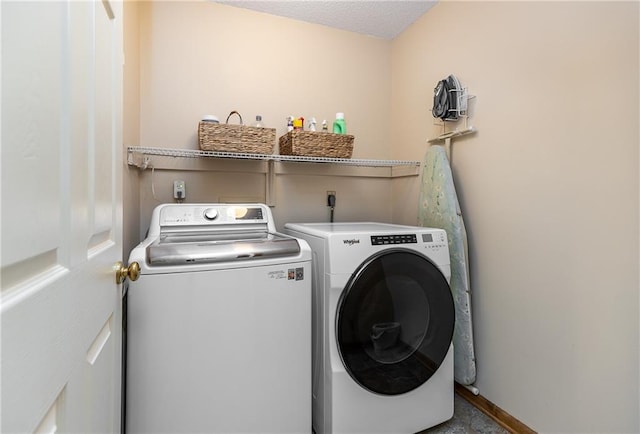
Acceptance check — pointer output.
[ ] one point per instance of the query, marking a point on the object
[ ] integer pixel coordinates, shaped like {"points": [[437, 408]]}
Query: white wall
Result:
{"points": [[549, 192]]}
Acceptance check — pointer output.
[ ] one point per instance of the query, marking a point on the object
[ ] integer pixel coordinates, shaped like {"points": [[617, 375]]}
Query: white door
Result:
{"points": [[61, 215]]}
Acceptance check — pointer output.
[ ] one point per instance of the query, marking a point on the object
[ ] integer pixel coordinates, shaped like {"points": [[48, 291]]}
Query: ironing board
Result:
{"points": [[439, 208]]}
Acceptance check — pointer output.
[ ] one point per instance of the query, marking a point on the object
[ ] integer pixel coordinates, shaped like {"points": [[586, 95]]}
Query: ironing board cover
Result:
{"points": [[439, 208]]}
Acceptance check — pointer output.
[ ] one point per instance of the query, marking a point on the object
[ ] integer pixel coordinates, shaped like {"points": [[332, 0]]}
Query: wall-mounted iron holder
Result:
{"points": [[462, 113], [447, 137], [462, 98]]}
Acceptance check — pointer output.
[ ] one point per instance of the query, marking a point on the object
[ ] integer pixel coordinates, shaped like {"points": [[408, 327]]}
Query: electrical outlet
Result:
{"points": [[331, 202], [179, 190]]}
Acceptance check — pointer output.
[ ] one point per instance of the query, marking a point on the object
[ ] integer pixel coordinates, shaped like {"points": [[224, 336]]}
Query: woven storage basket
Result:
{"points": [[316, 144], [236, 138]]}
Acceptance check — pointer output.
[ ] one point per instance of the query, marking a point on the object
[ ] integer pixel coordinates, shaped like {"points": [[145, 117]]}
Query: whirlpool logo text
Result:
{"points": [[351, 242]]}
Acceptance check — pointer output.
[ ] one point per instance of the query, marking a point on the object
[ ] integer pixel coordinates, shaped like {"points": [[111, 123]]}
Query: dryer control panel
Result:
{"points": [[380, 240], [435, 241]]}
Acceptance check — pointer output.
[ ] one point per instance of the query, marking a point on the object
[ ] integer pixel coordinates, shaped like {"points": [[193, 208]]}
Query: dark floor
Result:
{"points": [[467, 419]]}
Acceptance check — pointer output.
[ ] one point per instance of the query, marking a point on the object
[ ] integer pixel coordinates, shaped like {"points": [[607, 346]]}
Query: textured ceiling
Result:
{"points": [[383, 19]]}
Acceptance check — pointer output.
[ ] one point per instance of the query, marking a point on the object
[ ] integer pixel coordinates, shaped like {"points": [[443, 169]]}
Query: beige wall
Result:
{"points": [[549, 191], [201, 58], [549, 185], [131, 125]]}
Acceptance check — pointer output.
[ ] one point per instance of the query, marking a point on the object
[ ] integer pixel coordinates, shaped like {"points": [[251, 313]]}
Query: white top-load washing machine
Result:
{"points": [[383, 320], [219, 324]]}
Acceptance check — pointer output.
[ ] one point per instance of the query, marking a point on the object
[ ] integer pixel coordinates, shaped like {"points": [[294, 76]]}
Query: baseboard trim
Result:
{"points": [[501, 417]]}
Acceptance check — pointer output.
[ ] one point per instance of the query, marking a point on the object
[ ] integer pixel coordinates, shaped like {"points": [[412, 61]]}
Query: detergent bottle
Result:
{"points": [[339, 125]]}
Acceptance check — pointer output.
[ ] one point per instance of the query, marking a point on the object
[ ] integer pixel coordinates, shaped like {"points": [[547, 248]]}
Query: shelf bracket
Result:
{"points": [[270, 181]]}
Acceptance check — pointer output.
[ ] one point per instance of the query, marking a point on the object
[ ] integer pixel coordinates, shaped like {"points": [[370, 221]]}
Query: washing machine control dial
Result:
{"points": [[210, 213]]}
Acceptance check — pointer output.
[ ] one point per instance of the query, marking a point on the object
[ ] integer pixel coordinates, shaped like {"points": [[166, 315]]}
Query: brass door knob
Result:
{"points": [[122, 272]]}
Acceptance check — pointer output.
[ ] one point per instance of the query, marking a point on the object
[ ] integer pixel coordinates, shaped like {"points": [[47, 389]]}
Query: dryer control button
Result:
{"points": [[210, 213]]}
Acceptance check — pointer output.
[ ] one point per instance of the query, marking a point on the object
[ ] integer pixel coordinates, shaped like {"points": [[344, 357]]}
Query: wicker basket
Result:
{"points": [[236, 138], [316, 144]]}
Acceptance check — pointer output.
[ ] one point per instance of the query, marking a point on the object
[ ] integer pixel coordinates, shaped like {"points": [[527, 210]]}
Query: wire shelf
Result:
{"points": [[192, 153]]}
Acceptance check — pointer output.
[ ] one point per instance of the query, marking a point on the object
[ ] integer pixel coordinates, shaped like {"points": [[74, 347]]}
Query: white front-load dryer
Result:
{"points": [[383, 320]]}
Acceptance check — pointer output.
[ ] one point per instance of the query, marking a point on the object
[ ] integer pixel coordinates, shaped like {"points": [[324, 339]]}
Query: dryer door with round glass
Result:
{"points": [[394, 322]]}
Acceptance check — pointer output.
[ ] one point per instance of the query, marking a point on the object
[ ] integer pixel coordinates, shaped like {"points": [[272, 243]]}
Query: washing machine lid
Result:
{"points": [[219, 246], [394, 322]]}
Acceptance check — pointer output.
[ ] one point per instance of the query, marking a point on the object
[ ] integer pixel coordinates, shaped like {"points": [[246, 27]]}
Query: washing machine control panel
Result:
{"points": [[380, 240], [186, 215], [210, 213], [168, 217]]}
